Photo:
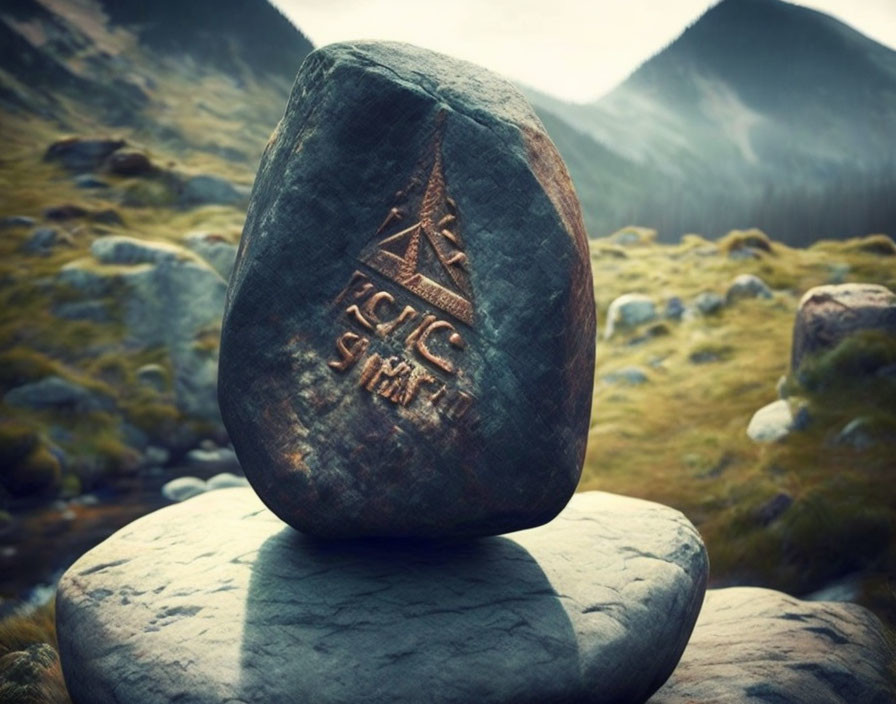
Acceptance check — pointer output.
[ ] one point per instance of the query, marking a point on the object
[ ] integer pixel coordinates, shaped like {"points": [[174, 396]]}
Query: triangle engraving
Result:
{"points": [[426, 257]]}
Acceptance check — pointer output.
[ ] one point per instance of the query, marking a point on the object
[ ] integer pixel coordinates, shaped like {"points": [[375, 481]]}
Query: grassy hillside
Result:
{"points": [[680, 437]]}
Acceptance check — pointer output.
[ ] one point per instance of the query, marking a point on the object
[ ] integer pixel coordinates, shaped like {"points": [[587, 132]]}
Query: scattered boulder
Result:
{"points": [[154, 456], [206, 189], [56, 392], [747, 286], [95, 311], [107, 216], [674, 308], [373, 380], [829, 314], [630, 376], [706, 353], [628, 311], [171, 304], [758, 645], [66, 211], [41, 240], [709, 303], [82, 154], [169, 297], [226, 480], [777, 420], [17, 221], [89, 181], [633, 236], [129, 162], [154, 376], [596, 606], [865, 432], [217, 458], [183, 488], [847, 588], [121, 249], [216, 250]]}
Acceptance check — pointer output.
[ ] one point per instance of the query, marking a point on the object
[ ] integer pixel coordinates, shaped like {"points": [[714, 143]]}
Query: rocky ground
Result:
{"points": [[805, 509], [115, 247]]}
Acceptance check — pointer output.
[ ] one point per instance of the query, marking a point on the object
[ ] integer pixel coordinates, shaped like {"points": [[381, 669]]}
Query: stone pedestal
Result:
{"points": [[215, 600]]}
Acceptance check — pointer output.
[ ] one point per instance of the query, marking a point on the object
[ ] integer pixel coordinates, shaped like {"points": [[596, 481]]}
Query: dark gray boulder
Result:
{"points": [[215, 600], [755, 645], [829, 314], [80, 154], [408, 343], [216, 250], [205, 189], [56, 392], [41, 240], [168, 297], [17, 221]]}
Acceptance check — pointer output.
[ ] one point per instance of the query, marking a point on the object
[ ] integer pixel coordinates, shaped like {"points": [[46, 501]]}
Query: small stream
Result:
{"points": [[44, 540]]}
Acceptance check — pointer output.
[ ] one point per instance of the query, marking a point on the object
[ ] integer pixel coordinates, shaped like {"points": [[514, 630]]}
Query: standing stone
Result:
{"points": [[215, 600], [408, 342], [829, 314]]}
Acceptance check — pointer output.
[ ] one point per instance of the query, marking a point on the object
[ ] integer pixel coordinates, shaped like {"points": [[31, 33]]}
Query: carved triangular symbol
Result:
{"points": [[428, 257]]}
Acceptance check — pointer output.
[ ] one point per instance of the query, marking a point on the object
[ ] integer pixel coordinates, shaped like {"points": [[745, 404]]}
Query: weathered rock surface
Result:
{"points": [[708, 303], [183, 488], [630, 376], [408, 345], [129, 162], [169, 297], [829, 314], [80, 154], [41, 240], [56, 392], [121, 249], [755, 646], [205, 189], [776, 421], [214, 249], [216, 600], [628, 311], [747, 286]]}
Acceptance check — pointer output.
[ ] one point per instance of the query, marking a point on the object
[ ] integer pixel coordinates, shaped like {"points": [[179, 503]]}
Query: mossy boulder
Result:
{"points": [[829, 315]]}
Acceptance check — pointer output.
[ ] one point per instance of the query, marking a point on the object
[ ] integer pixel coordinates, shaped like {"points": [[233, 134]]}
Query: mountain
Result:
{"points": [[761, 113], [207, 76]]}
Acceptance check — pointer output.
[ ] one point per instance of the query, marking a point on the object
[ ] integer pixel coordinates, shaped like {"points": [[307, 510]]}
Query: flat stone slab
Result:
{"points": [[215, 600], [408, 343], [759, 646]]}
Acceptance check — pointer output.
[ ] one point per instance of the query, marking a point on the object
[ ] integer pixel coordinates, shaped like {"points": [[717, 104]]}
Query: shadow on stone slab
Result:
{"points": [[214, 599], [404, 621]]}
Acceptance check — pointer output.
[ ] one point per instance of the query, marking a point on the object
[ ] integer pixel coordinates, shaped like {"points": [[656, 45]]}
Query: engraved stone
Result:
{"points": [[408, 343]]}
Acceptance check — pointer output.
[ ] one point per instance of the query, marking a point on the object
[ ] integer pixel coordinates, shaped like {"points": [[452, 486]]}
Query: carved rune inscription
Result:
{"points": [[427, 259]]}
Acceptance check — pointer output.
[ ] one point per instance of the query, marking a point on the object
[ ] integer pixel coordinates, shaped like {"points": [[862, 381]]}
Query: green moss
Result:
{"points": [[22, 629], [855, 361], [156, 417], [743, 239], [881, 245], [21, 365]]}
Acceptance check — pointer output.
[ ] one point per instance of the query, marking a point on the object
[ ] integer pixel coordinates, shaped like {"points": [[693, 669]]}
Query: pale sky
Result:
{"points": [[572, 49]]}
